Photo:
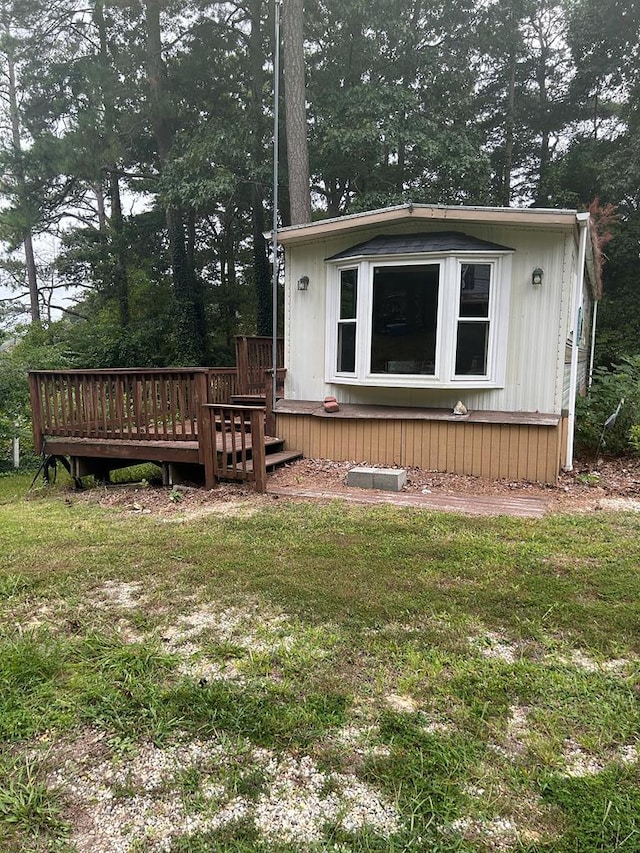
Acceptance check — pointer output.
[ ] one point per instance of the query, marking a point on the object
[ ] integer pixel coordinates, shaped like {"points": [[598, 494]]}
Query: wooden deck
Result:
{"points": [[149, 451], [105, 419]]}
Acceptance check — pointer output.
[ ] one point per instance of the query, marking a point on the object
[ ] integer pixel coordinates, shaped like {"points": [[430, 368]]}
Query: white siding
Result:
{"points": [[538, 323]]}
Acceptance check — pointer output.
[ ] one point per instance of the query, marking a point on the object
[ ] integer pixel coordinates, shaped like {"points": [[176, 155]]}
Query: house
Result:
{"points": [[403, 312]]}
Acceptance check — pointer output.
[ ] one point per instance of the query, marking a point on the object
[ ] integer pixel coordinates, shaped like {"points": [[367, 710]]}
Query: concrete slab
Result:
{"points": [[387, 479]]}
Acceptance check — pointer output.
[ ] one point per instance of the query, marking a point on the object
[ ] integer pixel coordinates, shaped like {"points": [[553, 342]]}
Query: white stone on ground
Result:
{"points": [[580, 763], [363, 740], [495, 647], [136, 800], [302, 800], [498, 833]]}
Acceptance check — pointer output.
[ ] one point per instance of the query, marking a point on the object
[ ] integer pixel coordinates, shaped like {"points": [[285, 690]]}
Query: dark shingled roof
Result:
{"points": [[407, 244]]}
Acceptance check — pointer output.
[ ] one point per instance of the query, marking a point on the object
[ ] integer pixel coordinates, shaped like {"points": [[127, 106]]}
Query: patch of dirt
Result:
{"points": [[124, 596], [513, 744], [401, 704], [612, 484], [176, 504]]}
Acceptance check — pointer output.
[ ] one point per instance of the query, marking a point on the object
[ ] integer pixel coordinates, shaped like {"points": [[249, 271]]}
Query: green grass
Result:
{"points": [[30, 810], [513, 644]]}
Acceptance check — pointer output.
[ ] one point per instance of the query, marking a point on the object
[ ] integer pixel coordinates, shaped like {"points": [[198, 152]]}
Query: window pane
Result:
{"points": [[471, 352], [348, 294], [405, 312], [474, 290], [346, 347]]}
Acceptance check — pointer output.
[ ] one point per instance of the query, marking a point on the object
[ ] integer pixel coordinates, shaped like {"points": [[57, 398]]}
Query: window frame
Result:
{"points": [[447, 320], [342, 322]]}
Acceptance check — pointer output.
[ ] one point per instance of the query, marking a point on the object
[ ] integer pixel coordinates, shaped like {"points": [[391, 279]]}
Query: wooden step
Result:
{"points": [[275, 460], [248, 400], [272, 444]]}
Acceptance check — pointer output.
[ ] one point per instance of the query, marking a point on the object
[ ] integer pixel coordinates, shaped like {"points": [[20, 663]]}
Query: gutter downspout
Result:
{"points": [[593, 341], [583, 222]]}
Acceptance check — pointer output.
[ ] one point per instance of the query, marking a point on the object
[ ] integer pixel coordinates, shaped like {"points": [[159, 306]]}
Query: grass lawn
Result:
{"points": [[295, 676]]}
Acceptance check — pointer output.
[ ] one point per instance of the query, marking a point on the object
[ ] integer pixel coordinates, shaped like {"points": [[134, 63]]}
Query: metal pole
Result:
{"points": [[274, 230], [583, 222], [15, 447]]}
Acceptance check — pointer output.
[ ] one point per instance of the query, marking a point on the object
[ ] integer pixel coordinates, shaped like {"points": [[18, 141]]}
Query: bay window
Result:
{"points": [[421, 320]]}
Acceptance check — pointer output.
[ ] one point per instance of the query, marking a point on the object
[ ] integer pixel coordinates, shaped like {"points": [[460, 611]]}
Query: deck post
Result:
{"points": [[201, 391], [35, 390], [258, 449], [269, 421], [202, 387], [242, 363], [207, 444]]}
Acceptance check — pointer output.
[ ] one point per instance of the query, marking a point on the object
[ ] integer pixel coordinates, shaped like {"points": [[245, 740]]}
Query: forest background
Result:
{"points": [[136, 157]]}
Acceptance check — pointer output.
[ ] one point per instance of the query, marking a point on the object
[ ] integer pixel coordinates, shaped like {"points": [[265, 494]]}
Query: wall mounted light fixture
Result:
{"points": [[536, 276], [303, 282]]}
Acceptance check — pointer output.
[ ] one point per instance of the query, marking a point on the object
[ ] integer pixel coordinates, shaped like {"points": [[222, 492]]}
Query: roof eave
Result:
{"points": [[424, 212]]}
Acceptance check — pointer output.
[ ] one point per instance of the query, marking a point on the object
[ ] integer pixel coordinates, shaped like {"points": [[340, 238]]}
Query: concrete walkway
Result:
{"points": [[514, 505]]}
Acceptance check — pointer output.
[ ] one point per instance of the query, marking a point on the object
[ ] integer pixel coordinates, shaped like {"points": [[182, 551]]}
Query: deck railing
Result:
{"points": [[127, 404], [232, 444], [224, 383], [254, 355]]}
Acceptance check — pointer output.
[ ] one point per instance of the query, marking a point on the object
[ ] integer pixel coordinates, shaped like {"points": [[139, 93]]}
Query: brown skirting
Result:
{"points": [[498, 445]]}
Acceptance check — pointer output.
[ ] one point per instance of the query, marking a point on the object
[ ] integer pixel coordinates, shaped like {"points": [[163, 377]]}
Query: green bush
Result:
{"points": [[610, 386], [38, 348], [15, 411]]}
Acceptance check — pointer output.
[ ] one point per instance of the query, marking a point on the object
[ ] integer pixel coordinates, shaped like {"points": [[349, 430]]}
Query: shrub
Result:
{"points": [[37, 347], [610, 386]]}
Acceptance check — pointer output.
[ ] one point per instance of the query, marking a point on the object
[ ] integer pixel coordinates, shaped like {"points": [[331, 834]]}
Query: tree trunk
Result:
{"points": [[98, 189], [118, 248], [261, 271], [120, 277], [27, 236], [32, 277], [189, 329], [542, 194], [296, 113], [229, 283], [509, 133]]}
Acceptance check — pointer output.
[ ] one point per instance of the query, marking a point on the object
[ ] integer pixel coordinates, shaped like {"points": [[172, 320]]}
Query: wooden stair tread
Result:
{"points": [[248, 400], [229, 443], [273, 460], [272, 439]]}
